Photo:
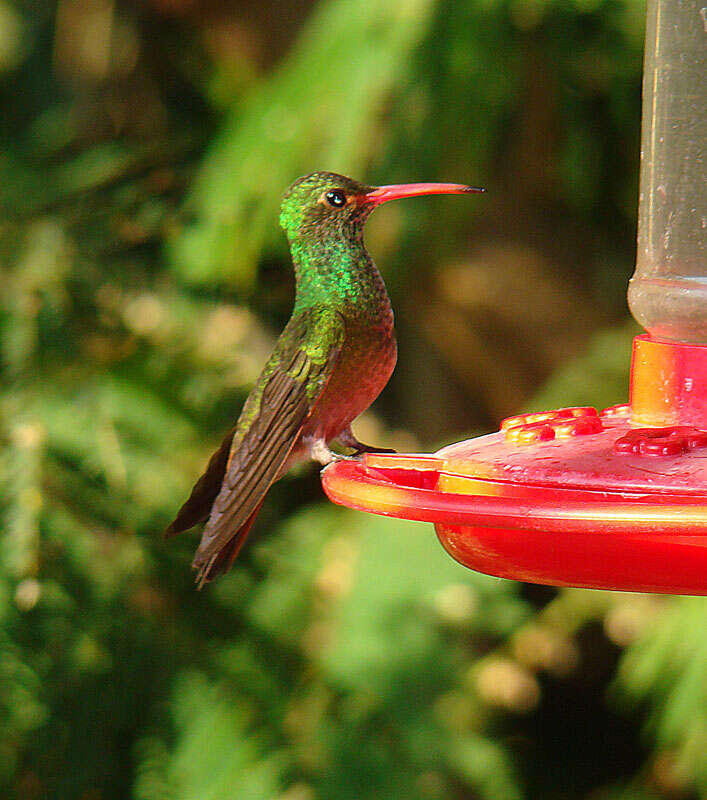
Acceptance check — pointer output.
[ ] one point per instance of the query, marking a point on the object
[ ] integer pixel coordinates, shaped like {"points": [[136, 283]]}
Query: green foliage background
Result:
{"points": [[144, 147]]}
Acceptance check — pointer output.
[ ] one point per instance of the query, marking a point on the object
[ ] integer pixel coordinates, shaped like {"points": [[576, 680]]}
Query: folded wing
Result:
{"points": [[268, 428]]}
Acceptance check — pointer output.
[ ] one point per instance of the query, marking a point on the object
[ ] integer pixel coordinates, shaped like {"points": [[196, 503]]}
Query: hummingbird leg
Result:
{"points": [[347, 438], [319, 451]]}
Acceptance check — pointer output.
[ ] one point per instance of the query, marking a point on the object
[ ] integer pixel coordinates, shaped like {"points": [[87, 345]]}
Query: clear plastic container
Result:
{"points": [[668, 291]]}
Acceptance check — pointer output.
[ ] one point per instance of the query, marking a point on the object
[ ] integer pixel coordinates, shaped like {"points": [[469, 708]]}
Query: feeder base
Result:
{"points": [[570, 497]]}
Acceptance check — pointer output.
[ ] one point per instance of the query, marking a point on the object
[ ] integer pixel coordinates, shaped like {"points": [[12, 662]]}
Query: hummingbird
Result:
{"points": [[332, 360]]}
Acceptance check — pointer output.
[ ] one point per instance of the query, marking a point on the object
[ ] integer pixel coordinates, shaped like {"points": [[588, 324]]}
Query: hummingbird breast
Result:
{"points": [[366, 363]]}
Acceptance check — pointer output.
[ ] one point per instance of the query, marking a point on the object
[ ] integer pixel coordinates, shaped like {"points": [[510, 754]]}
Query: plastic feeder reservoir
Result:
{"points": [[615, 499]]}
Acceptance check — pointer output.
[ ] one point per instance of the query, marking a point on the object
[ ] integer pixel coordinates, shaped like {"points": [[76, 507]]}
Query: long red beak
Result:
{"points": [[395, 191]]}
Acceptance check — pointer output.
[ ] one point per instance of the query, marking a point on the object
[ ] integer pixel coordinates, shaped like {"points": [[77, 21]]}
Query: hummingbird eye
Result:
{"points": [[336, 198]]}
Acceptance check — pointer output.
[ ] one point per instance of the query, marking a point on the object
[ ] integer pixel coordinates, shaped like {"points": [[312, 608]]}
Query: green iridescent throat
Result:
{"points": [[328, 270]]}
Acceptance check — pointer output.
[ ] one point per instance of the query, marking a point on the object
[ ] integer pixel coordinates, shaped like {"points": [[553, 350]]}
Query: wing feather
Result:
{"points": [[271, 422]]}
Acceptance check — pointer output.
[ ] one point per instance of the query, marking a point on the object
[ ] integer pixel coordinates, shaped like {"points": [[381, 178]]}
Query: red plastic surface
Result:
{"points": [[668, 383], [563, 537], [568, 497]]}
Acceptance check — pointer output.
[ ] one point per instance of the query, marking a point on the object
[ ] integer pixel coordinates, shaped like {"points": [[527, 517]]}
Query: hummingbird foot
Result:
{"points": [[319, 451], [347, 438]]}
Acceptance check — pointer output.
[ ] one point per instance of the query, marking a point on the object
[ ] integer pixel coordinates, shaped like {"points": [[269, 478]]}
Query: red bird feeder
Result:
{"points": [[612, 499]]}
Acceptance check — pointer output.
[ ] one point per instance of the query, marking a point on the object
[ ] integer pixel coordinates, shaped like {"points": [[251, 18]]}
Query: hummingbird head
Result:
{"points": [[324, 204]]}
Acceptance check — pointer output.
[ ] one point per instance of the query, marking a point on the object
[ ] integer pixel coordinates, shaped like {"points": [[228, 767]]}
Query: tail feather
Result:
{"points": [[198, 506], [222, 561]]}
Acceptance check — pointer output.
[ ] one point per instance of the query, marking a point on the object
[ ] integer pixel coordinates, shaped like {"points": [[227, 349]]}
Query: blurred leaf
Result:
{"points": [[386, 626], [215, 756], [597, 378], [666, 669], [486, 766]]}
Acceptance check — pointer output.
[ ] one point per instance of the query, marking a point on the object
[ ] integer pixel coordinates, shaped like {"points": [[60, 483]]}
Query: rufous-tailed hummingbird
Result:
{"points": [[330, 363]]}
